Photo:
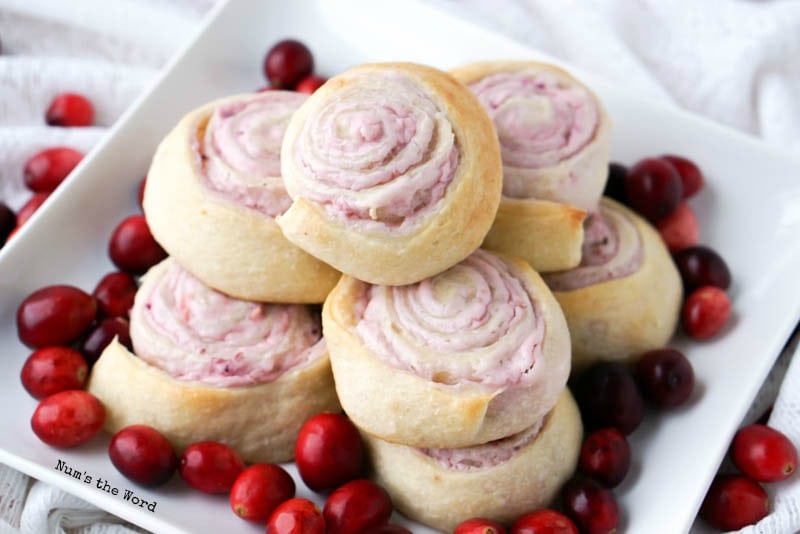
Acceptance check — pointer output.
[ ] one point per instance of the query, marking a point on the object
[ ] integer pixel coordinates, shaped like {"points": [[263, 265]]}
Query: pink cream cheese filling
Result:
{"points": [[477, 322], [381, 153], [197, 334], [240, 150]]}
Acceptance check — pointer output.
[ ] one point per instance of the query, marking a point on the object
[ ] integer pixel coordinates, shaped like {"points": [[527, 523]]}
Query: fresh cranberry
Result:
{"points": [[53, 369], [288, 62], [296, 516], [70, 109], [48, 168], [387, 529], [606, 456], [309, 84], [691, 177], [734, 502], [132, 247], [142, 454], [665, 377], [210, 466], [259, 489], [591, 506], [544, 522], [763, 453], [30, 207], [102, 334], [479, 525], [355, 506], [115, 294], [140, 192], [329, 451], [701, 266], [608, 396], [55, 315], [8, 220], [653, 188], [615, 185], [705, 312], [679, 229], [68, 418]]}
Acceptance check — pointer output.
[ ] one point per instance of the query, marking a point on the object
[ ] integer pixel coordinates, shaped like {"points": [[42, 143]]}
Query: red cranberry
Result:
{"points": [[691, 177], [70, 109], [355, 506], [132, 247], [679, 229], [701, 266], [387, 529], [608, 396], [479, 525], [55, 315], [705, 312], [653, 188], [544, 522], [763, 453], [287, 63], [53, 369], [665, 376], [8, 220], [259, 489], [48, 168], [210, 466], [140, 192], [142, 454], [615, 185], [97, 341], [309, 84], [30, 207], [115, 294], [68, 418], [328, 452], [591, 506], [296, 516], [734, 502], [606, 456]]}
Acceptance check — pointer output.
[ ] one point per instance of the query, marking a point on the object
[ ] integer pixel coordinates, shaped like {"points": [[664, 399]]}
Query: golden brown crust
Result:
{"points": [[260, 422], [425, 491], [233, 249], [466, 211]]}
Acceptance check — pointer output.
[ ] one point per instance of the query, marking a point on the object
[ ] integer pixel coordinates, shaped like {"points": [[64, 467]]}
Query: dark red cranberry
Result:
{"points": [[55, 315], [356, 506], [329, 451], [30, 207], [102, 334], [259, 489], [763, 453], [115, 294], [309, 84], [615, 185], [607, 395], [592, 506], [691, 177], [8, 220], [606, 456], [68, 418], [53, 369], [733, 502], [701, 266], [45, 170], [287, 63], [544, 522], [70, 109], [296, 516], [653, 188], [705, 312], [142, 454], [210, 466], [132, 247], [665, 377]]}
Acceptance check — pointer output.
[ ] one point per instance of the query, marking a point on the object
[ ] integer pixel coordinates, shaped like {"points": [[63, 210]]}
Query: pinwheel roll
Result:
{"points": [[499, 480], [625, 297], [213, 191], [555, 142], [473, 354], [394, 173], [208, 367]]}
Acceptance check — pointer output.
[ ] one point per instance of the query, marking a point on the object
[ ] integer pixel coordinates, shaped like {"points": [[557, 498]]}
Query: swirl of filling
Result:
{"points": [[195, 333], [612, 248], [476, 322], [542, 118], [239, 150], [381, 151]]}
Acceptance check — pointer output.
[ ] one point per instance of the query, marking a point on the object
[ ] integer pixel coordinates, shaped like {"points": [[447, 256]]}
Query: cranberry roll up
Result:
{"points": [[210, 367], [213, 191], [625, 296], [555, 141], [394, 173], [475, 353]]}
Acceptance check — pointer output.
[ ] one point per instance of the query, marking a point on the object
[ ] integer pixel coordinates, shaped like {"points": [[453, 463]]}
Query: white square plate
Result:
{"points": [[749, 211]]}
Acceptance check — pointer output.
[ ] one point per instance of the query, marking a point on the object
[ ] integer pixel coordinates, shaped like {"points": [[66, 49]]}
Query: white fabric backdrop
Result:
{"points": [[735, 61]]}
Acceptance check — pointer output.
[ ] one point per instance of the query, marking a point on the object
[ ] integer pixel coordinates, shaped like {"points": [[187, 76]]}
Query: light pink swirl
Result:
{"points": [[240, 150], [195, 333], [380, 151], [542, 118], [476, 322]]}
